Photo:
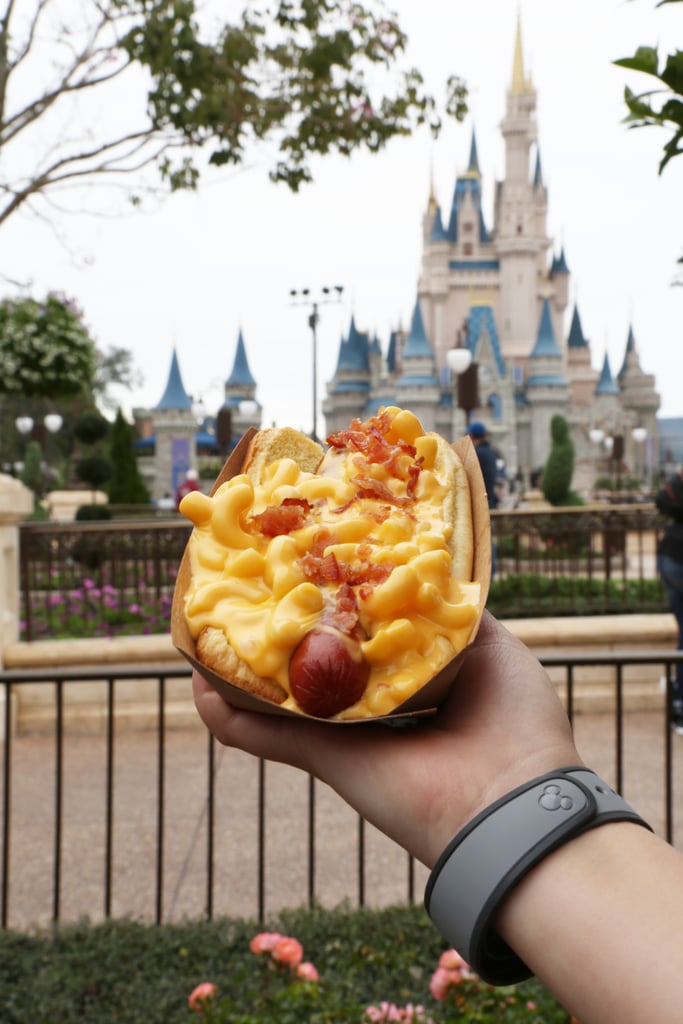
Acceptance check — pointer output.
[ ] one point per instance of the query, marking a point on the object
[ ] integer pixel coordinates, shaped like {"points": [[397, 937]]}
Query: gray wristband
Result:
{"points": [[498, 847]]}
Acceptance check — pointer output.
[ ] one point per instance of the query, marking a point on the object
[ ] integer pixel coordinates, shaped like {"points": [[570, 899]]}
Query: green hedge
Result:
{"points": [[134, 973], [533, 594]]}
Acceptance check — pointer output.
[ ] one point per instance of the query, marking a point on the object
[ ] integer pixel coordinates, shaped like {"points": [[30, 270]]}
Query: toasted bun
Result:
{"points": [[275, 443], [269, 446], [214, 651]]}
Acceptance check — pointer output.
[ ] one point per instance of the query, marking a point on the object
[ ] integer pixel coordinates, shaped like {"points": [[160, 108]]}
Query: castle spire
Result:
{"points": [[518, 83], [473, 167], [175, 396], [241, 375]]}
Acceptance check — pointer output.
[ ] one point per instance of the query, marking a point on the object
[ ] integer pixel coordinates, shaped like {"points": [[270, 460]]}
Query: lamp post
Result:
{"points": [[51, 422], [597, 436], [466, 372], [304, 296], [639, 435]]}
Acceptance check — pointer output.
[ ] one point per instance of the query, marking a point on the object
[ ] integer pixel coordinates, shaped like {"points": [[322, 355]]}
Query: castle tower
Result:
{"points": [[519, 228], [174, 427], [547, 390], [640, 403], [348, 393], [417, 388], [505, 293], [582, 377], [240, 394]]}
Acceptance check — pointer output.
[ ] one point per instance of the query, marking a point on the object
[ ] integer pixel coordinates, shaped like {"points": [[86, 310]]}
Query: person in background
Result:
{"points": [[190, 483], [669, 500], [489, 470], [487, 460]]}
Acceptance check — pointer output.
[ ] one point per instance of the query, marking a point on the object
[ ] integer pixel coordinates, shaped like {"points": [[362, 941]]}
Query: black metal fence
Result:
{"points": [[587, 560], [164, 823], [99, 578], [102, 579]]}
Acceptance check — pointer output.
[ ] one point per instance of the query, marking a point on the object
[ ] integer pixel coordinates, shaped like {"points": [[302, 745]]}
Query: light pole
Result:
{"points": [[639, 435], [466, 372], [52, 423], [304, 296], [597, 436]]}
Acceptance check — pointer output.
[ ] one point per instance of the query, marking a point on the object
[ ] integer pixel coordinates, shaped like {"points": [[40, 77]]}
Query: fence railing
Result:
{"points": [[166, 823], [99, 579]]}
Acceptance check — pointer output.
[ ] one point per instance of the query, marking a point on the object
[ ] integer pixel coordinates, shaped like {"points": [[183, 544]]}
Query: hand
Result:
{"points": [[501, 725]]}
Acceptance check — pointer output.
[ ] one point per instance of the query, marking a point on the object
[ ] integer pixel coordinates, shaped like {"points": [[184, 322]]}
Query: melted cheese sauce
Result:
{"points": [[255, 589]]}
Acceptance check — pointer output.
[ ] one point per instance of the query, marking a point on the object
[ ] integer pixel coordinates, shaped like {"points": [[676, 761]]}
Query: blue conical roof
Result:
{"points": [[240, 376], [473, 166], [538, 173], [417, 344], [354, 352], [559, 264], [175, 396], [630, 348], [546, 342], [606, 384], [576, 337]]}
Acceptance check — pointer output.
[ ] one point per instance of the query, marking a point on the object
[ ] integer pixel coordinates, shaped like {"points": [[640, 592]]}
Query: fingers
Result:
{"points": [[296, 741]]}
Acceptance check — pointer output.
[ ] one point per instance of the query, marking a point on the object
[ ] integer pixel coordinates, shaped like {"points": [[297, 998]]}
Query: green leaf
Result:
{"points": [[644, 59]]}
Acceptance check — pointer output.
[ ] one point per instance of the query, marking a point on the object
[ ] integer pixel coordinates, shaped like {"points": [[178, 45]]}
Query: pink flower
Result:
{"points": [[451, 960], [200, 994], [440, 982], [264, 942], [288, 951], [307, 972]]}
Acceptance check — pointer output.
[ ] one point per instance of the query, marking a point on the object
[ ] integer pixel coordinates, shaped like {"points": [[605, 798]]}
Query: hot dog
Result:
{"points": [[335, 582]]}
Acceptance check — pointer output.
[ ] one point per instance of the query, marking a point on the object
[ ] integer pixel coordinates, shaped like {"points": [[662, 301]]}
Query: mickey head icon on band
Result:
{"points": [[552, 799]]}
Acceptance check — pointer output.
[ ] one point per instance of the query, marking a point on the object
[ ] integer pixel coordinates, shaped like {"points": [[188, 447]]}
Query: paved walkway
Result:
{"points": [[236, 876]]}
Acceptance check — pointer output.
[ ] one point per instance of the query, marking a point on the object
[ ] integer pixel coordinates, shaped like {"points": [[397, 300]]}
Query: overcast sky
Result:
{"points": [[194, 271]]}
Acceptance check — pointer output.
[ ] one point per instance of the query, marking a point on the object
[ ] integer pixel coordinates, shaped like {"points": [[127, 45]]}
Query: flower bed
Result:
{"points": [[319, 966]]}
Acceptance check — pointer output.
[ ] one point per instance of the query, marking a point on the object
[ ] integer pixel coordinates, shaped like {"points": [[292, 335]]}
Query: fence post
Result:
{"points": [[16, 503]]}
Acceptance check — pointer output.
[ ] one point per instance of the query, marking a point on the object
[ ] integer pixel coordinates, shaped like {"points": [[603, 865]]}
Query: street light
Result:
{"points": [[303, 296], [460, 363], [597, 436], [639, 435]]}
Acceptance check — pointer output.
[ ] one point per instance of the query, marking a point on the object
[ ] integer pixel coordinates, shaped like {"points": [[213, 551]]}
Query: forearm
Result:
{"points": [[599, 921]]}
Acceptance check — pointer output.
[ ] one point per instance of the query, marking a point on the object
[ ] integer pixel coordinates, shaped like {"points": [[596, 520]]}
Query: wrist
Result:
{"points": [[454, 818], [477, 871]]}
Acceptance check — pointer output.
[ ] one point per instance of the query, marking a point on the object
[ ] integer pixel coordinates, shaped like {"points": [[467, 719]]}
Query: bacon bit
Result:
{"points": [[322, 569], [370, 440], [377, 490], [276, 520], [414, 475], [344, 615]]}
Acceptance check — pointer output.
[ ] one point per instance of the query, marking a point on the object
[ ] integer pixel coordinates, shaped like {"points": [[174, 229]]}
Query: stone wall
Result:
{"points": [[136, 707]]}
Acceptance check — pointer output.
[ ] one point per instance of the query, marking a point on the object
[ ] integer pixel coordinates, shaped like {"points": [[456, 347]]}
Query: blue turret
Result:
{"points": [[240, 375], [545, 362], [606, 384], [418, 358], [175, 396], [576, 337]]}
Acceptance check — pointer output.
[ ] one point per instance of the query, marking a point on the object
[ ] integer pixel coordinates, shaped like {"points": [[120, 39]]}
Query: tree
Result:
{"points": [[310, 76], [559, 468], [663, 105], [45, 349], [94, 467], [126, 486]]}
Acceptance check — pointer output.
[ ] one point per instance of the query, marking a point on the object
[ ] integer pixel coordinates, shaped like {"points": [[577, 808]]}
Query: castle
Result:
{"points": [[502, 293]]}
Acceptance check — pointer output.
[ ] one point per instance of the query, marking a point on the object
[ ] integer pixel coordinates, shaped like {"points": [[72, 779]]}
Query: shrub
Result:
{"points": [[367, 960], [559, 469], [91, 512]]}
